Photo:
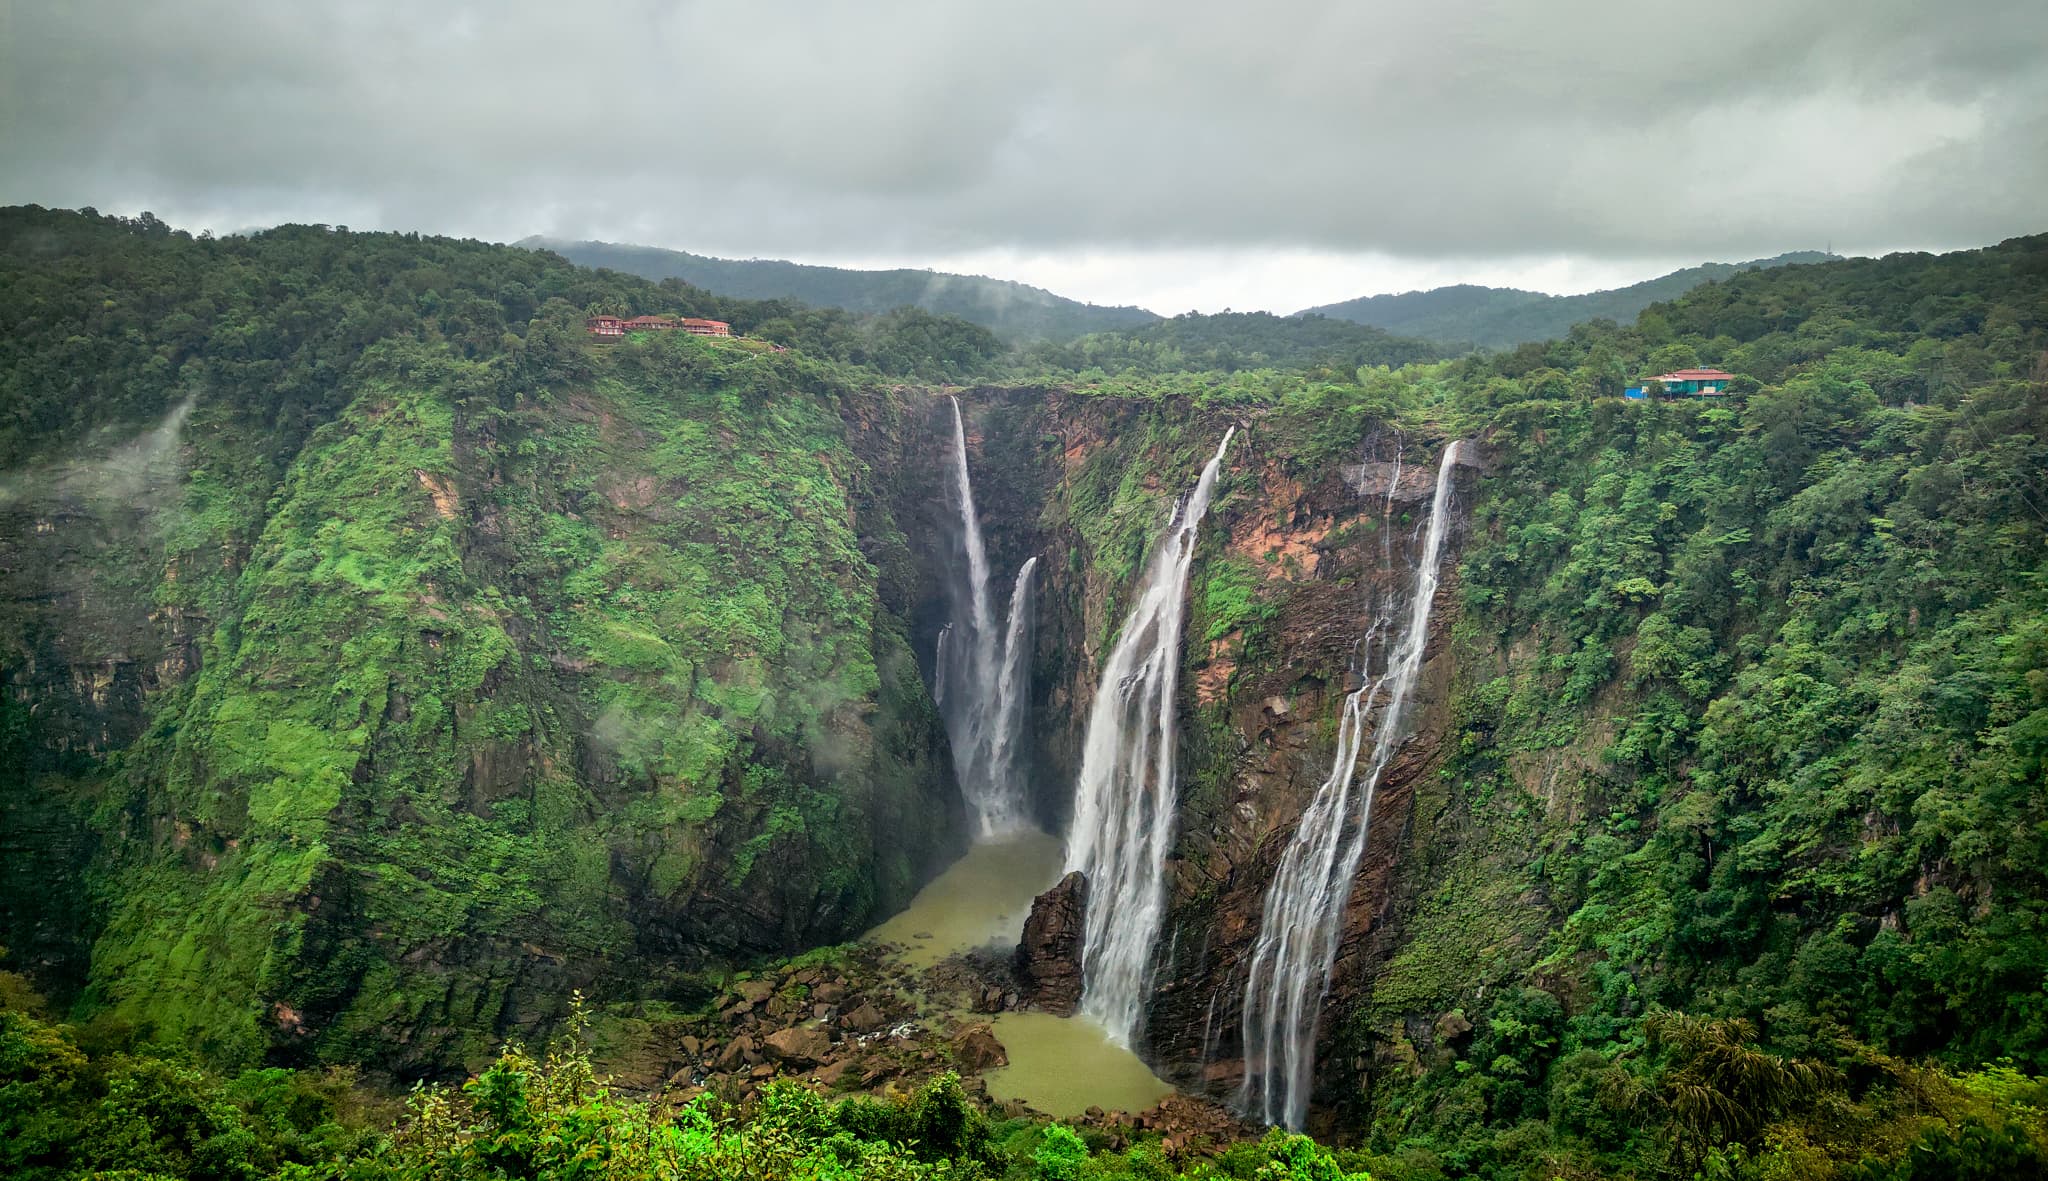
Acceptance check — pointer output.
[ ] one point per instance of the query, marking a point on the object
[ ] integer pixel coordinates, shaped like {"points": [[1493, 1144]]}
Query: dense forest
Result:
{"points": [[384, 661]]}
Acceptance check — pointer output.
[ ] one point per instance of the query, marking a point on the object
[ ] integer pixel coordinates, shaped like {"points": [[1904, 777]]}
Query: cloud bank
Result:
{"points": [[1418, 129]]}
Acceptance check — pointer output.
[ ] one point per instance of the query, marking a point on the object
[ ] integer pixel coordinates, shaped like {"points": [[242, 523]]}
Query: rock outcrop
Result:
{"points": [[1049, 958], [976, 1049], [800, 1047]]}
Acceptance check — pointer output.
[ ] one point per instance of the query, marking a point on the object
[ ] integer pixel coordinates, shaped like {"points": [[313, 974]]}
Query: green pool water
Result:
{"points": [[1065, 1065], [1059, 1065], [981, 899]]}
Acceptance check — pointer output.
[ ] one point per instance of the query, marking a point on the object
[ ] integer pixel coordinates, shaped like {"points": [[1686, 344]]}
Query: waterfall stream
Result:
{"points": [[982, 678], [1125, 796], [1297, 944]]}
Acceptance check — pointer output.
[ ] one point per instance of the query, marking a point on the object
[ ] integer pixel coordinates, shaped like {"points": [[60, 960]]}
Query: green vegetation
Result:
{"points": [[1229, 342], [456, 661], [73, 1109], [1767, 746], [498, 662]]}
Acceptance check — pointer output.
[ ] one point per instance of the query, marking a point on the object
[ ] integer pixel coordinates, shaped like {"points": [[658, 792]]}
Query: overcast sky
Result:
{"points": [[1175, 155]]}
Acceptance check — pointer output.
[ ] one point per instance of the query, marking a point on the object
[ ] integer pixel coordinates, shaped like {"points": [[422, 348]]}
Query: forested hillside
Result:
{"points": [[1227, 342], [384, 685], [382, 660], [1503, 317], [1750, 721], [1014, 311]]}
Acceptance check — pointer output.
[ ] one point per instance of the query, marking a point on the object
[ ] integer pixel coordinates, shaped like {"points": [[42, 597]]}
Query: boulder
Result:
{"points": [[976, 1049], [1453, 1027], [1049, 958], [865, 1019], [691, 1045], [734, 1054], [829, 993], [801, 1047], [754, 991]]}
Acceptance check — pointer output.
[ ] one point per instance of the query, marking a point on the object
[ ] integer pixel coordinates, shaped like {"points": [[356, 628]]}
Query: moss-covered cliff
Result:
{"points": [[553, 665]]}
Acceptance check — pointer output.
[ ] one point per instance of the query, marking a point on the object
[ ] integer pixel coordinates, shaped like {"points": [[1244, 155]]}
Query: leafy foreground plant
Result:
{"points": [[66, 1112]]}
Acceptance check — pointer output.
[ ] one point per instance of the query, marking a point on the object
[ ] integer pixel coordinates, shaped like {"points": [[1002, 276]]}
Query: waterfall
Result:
{"points": [[1124, 799], [981, 679], [1297, 945]]}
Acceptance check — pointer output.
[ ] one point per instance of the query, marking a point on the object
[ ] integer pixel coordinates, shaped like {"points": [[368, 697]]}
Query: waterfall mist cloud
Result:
{"points": [[1411, 129]]}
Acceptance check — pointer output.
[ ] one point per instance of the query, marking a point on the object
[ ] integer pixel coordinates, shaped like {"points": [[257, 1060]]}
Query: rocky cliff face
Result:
{"points": [[596, 694], [1302, 541]]}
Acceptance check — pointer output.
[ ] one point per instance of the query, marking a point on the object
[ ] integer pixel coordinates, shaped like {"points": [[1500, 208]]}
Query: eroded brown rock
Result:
{"points": [[1049, 958], [864, 1019], [976, 1049], [802, 1047]]}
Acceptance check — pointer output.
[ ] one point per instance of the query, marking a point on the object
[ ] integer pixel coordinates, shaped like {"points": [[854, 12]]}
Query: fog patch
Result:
{"points": [[143, 474]]}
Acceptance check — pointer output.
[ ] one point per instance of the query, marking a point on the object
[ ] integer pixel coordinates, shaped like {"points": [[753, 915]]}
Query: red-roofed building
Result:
{"points": [[1692, 383], [614, 326]]}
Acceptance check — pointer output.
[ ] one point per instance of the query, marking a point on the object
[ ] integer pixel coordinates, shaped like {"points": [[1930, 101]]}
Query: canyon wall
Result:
{"points": [[1306, 533]]}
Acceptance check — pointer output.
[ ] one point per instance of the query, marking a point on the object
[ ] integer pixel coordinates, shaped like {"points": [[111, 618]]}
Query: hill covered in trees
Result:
{"points": [[382, 659], [1502, 317], [1013, 311]]}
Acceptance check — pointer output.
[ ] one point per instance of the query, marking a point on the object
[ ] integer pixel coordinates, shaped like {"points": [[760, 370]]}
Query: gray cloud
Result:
{"points": [[1420, 128]]}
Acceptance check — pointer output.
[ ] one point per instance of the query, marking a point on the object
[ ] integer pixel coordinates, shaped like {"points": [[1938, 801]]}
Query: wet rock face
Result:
{"points": [[1326, 548], [1049, 958]]}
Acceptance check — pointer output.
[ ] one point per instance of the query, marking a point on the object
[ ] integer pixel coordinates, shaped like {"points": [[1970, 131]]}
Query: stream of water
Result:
{"points": [[1291, 962], [981, 681], [1125, 797]]}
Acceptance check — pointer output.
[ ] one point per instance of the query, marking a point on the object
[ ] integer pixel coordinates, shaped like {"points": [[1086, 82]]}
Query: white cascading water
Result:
{"points": [[1124, 799], [1297, 945], [981, 680]]}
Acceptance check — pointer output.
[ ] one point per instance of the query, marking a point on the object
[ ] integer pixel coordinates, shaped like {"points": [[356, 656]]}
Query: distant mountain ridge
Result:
{"points": [[1010, 309], [1502, 317]]}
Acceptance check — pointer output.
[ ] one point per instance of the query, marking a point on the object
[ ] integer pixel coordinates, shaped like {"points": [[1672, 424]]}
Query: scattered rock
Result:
{"points": [[830, 993], [764, 1071], [976, 1049], [691, 1045], [1049, 958], [754, 991], [801, 1047]]}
